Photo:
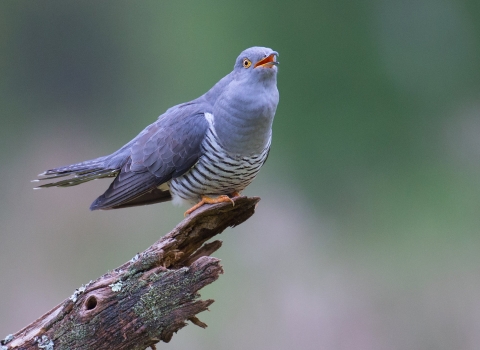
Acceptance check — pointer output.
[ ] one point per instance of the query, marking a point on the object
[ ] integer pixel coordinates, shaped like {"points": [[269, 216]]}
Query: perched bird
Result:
{"points": [[203, 151]]}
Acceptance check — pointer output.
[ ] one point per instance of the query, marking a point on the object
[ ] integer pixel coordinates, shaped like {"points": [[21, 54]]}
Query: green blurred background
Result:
{"points": [[367, 236]]}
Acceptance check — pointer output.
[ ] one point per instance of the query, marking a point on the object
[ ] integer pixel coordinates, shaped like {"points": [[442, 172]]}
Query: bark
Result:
{"points": [[145, 300]]}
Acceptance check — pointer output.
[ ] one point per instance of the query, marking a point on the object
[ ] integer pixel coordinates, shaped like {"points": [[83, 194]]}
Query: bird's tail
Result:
{"points": [[77, 173]]}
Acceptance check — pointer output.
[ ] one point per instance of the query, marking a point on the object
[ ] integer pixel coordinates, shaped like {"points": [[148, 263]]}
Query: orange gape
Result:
{"points": [[268, 61]]}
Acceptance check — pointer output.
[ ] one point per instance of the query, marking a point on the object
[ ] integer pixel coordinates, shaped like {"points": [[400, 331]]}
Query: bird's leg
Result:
{"points": [[209, 200], [235, 194]]}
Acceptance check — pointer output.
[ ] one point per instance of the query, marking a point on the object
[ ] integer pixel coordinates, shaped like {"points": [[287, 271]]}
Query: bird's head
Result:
{"points": [[257, 61]]}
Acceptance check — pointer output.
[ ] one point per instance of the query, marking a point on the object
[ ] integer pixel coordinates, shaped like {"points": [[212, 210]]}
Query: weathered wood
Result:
{"points": [[145, 300]]}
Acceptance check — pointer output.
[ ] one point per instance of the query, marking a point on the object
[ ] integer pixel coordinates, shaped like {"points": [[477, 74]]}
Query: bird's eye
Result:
{"points": [[246, 63]]}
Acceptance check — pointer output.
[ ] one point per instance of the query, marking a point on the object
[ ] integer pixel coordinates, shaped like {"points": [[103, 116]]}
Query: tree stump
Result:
{"points": [[145, 300]]}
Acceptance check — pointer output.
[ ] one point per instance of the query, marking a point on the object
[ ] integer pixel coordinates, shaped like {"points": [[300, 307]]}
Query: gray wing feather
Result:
{"points": [[164, 150]]}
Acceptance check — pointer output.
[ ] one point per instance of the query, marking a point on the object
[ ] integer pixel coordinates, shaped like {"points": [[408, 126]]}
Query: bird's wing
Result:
{"points": [[164, 150]]}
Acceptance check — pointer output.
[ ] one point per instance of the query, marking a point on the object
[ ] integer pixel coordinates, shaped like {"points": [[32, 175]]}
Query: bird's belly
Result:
{"points": [[217, 173]]}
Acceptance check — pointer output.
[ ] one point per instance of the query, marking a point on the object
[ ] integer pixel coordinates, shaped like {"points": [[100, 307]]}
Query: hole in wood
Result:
{"points": [[91, 303]]}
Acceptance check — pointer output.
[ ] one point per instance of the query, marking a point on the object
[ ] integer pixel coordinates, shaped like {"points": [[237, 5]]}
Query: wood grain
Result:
{"points": [[147, 299]]}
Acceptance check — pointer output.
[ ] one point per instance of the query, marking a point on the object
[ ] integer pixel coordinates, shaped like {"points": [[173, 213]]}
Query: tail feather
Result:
{"points": [[77, 173], [63, 174], [79, 179], [77, 168]]}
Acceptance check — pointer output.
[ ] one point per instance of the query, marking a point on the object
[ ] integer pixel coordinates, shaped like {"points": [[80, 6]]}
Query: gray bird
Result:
{"points": [[203, 151]]}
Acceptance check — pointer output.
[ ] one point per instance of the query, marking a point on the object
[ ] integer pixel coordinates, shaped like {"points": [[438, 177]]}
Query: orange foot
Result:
{"points": [[209, 200]]}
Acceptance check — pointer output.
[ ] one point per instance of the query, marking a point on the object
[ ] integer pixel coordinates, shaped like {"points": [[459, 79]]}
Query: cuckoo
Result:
{"points": [[203, 151]]}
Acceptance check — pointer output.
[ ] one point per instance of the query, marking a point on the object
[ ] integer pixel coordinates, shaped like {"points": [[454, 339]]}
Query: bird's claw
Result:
{"points": [[208, 200]]}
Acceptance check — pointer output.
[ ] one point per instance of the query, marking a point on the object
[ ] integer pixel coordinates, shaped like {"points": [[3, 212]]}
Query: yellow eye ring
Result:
{"points": [[246, 63]]}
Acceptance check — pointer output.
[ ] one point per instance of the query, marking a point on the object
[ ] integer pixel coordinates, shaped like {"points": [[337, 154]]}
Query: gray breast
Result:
{"points": [[217, 172]]}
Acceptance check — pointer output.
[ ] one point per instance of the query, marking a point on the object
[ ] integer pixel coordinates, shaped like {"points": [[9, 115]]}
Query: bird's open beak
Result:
{"points": [[267, 62]]}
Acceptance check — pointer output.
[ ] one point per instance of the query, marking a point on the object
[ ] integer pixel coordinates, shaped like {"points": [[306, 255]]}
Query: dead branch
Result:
{"points": [[145, 300]]}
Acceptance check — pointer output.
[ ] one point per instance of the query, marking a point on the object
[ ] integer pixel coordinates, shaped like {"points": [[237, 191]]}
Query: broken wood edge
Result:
{"points": [[172, 271]]}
